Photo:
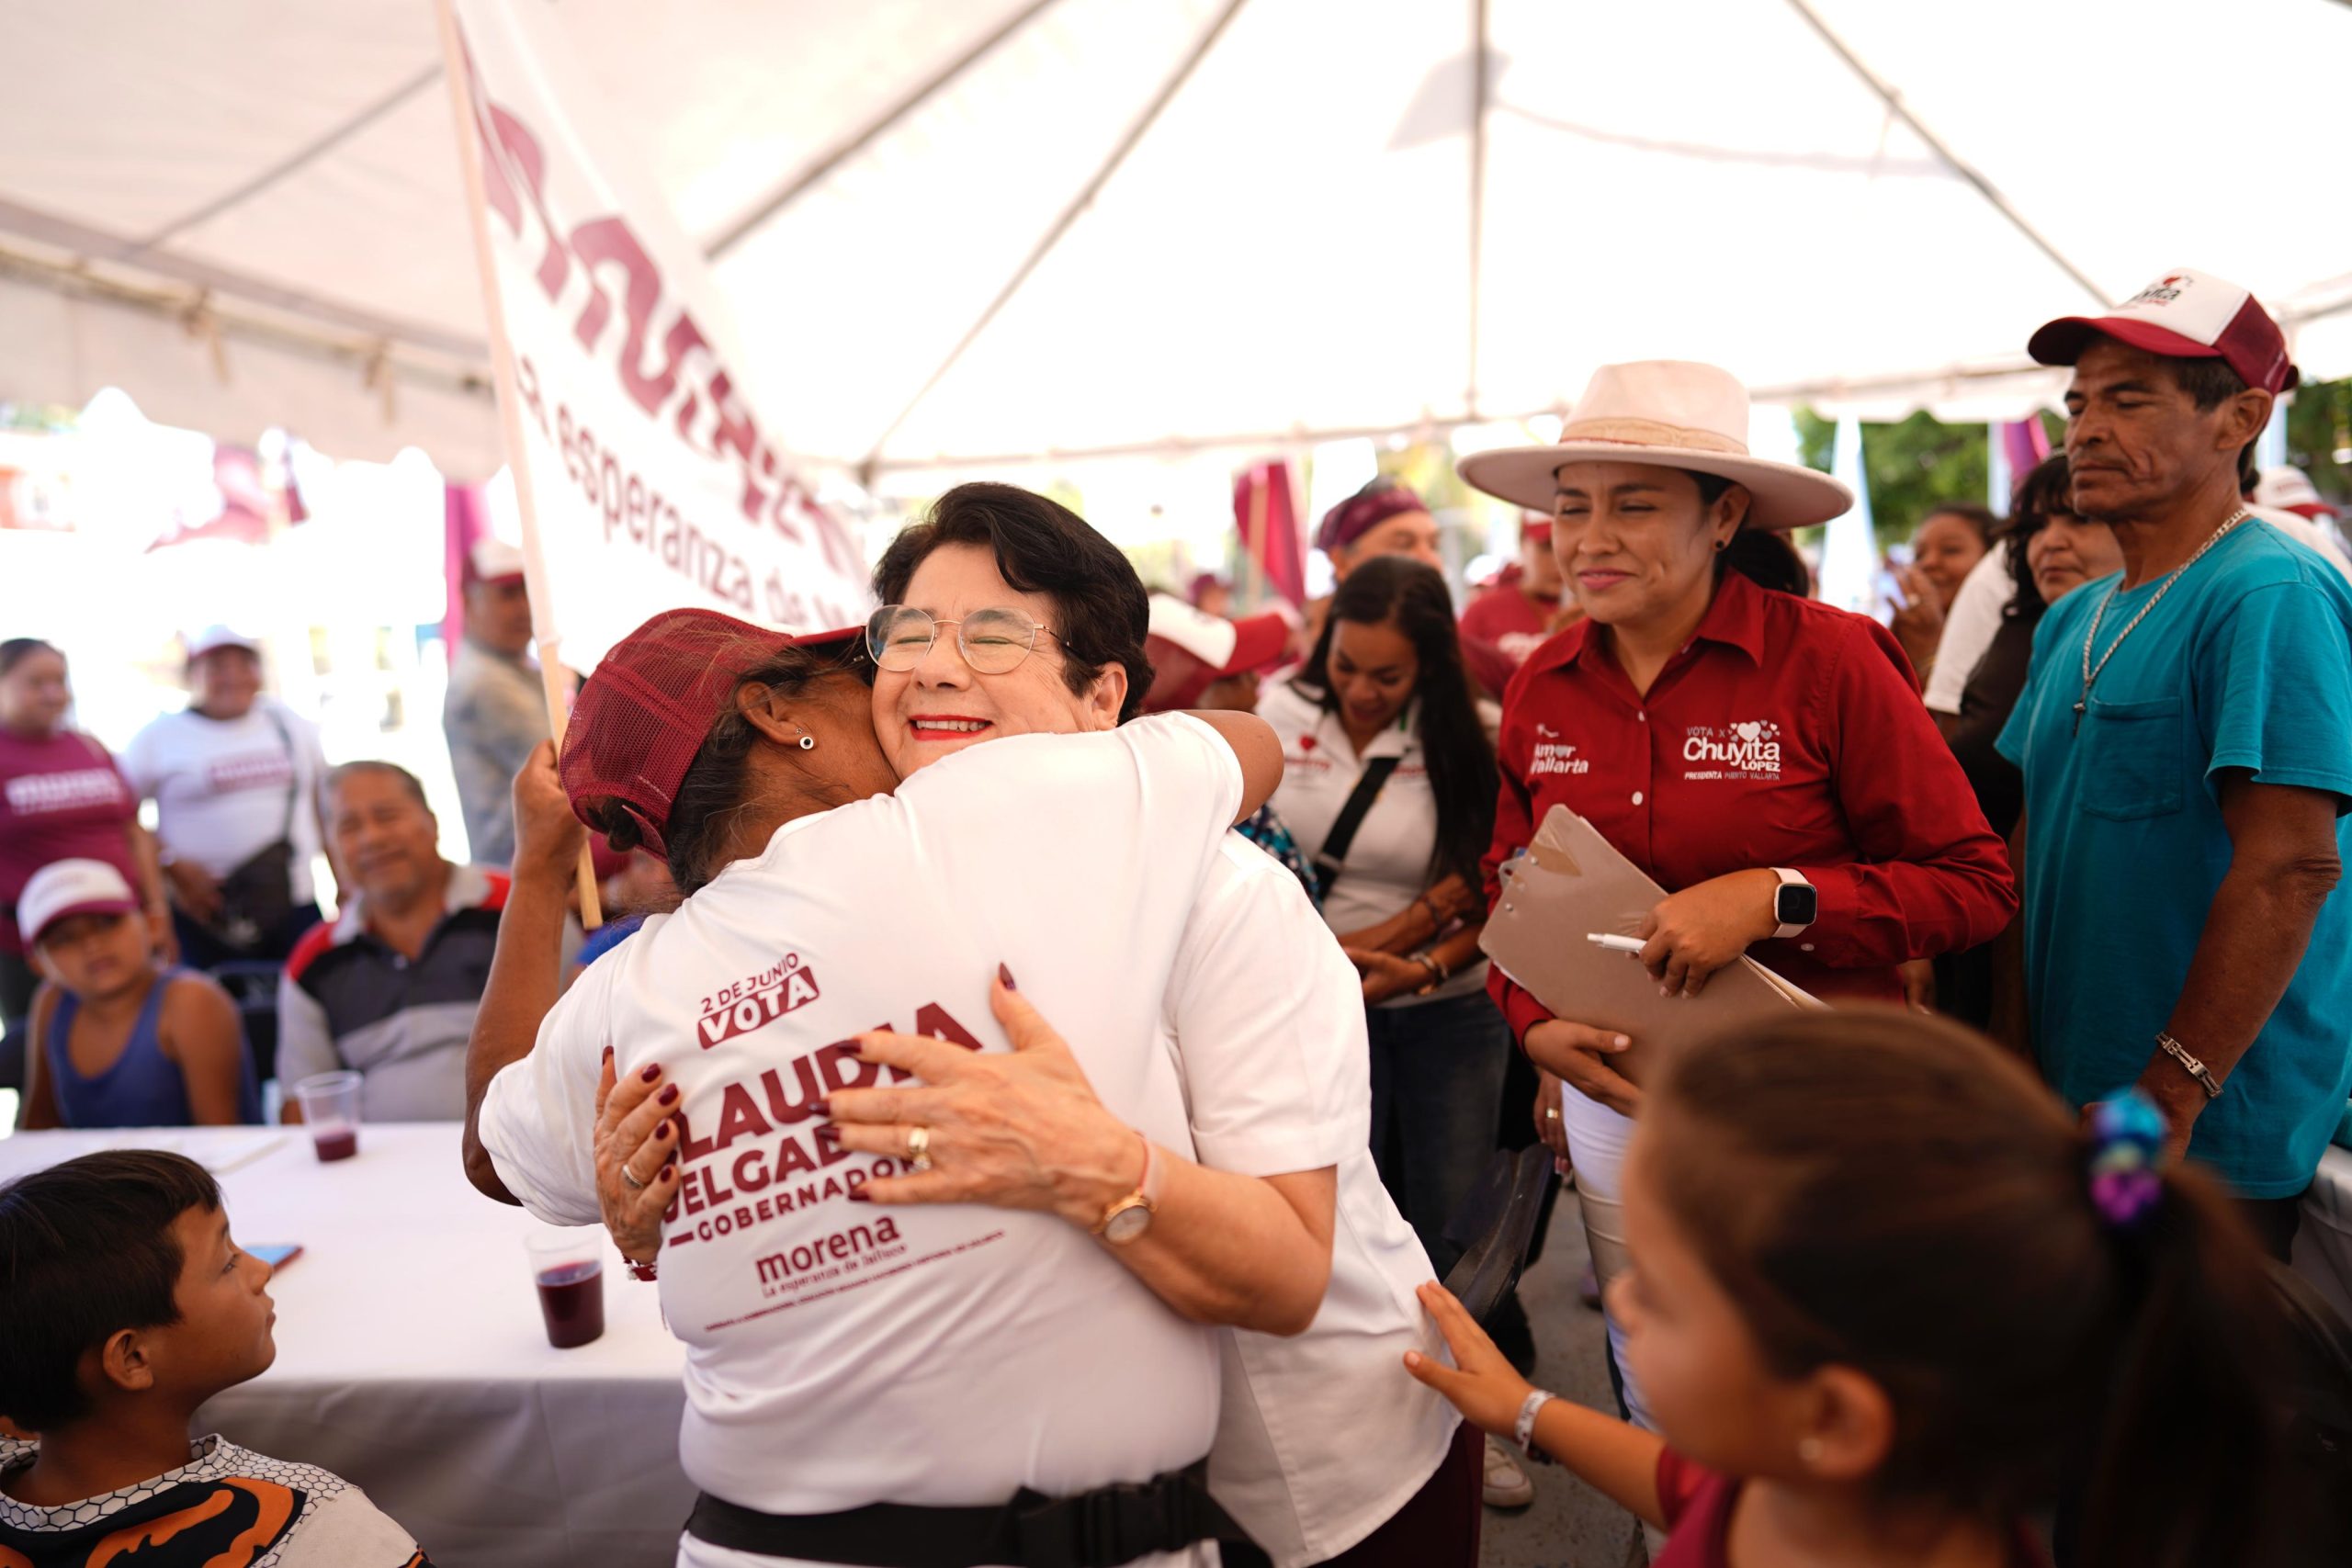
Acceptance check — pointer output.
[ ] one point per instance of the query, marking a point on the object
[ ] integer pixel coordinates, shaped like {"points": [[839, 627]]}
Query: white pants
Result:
{"points": [[1597, 1140]]}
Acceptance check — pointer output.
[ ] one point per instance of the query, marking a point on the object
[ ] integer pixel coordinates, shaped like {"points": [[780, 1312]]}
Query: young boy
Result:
{"points": [[117, 1039], [127, 1307]]}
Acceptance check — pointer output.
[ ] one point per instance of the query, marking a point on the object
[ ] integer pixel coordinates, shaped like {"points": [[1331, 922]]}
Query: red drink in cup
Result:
{"points": [[568, 1267], [330, 1103]]}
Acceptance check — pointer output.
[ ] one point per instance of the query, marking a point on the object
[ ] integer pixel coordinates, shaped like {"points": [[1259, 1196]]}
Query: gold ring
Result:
{"points": [[1550, 1113], [918, 1147]]}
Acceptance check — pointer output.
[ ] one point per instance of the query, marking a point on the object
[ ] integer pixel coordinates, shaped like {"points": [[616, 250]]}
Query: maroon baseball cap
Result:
{"points": [[2184, 315], [646, 710], [1361, 512]]}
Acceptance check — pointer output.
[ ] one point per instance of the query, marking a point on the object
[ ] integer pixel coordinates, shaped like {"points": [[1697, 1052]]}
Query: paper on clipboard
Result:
{"points": [[1571, 883]]}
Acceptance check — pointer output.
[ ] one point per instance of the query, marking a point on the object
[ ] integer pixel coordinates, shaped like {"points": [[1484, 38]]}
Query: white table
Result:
{"points": [[2324, 1241], [411, 1358]]}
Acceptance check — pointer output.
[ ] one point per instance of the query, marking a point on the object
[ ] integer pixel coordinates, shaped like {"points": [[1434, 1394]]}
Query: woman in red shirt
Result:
{"points": [[61, 798], [1765, 757]]}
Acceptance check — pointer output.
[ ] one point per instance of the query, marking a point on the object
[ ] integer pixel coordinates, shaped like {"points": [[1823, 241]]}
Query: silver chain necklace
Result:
{"points": [[2090, 670]]}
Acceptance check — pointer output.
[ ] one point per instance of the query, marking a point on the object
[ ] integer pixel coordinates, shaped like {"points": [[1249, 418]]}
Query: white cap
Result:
{"points": [[72, 888], [2290, 490], [216, 637], [1207, 637], [494, 560]]}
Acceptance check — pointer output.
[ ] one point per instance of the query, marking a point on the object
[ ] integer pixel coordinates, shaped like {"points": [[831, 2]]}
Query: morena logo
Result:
{"points": [[2164, 292]]}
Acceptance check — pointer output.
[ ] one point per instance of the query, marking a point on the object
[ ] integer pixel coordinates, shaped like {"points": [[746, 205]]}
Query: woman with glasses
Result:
{"points": [[1005, 617]]}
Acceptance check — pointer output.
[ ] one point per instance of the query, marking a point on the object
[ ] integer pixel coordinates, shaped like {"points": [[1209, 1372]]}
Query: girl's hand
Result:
{"points": [[1481, 1383], [1579, 1055], [1692, 934], [1385, 975]]}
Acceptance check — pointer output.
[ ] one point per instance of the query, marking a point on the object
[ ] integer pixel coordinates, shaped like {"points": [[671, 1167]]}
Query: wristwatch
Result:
{"points": [[1131, 1215], [1796, 904]]}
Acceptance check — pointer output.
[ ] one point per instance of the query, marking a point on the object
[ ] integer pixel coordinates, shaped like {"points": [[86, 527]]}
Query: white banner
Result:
{"points": [[654, 484]]}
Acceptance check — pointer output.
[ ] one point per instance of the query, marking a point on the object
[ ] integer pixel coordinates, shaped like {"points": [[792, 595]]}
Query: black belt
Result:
{"points": [[1101, 1529]]}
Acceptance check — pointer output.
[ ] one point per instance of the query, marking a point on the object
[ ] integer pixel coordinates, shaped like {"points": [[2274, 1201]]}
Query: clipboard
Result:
{"points": [[1571, 883]]}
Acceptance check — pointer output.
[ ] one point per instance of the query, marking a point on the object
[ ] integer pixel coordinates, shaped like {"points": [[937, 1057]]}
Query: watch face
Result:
{"points": [[1797, 904], [1127, 1224]]}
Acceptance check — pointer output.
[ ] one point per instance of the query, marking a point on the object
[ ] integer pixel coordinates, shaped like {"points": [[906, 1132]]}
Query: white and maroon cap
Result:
{"points": [[493, 560], [2184, 315], [2290, 489], [213, 638], [1226, 647], [66, 887]]}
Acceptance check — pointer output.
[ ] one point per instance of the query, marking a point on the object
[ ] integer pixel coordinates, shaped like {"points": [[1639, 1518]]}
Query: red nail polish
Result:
{"points": [[1006, 975], [652, 1070], [668, 1096], [608, 1054], [860, 1195], [669, 1170], [660, 1131], [821, 1106], [855, 1047]]}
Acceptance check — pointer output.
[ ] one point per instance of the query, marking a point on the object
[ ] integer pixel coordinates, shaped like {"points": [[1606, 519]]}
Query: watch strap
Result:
{"points": [[1782, 930]]}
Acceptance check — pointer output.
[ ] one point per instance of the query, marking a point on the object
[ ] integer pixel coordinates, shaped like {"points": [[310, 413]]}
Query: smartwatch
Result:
{"points": [[1796, 904]]}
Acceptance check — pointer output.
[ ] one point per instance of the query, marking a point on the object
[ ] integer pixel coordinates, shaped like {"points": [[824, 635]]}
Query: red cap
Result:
{"points": [[1191, 651], [2183, 315], [1535, 525], [645, 712]]}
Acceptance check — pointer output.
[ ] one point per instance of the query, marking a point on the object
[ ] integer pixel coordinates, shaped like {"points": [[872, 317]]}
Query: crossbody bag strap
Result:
{"points": [[293, 772], [1331, 859]]}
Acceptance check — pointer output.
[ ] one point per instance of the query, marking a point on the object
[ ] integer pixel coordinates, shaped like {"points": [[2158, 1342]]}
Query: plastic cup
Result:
{"points": [[330, 1103], [568, 1267]]}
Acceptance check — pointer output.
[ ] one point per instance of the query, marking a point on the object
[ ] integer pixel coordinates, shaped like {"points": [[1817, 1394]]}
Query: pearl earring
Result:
{"points": [[808, 742], [1809, 1450]]}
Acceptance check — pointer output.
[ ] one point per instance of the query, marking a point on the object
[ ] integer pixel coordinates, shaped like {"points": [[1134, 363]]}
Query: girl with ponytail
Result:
{"points": [[1891, 1299]]}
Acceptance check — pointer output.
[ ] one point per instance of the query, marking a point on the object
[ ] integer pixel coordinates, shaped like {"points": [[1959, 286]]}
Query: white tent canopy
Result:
{"points": [[964, 232]]}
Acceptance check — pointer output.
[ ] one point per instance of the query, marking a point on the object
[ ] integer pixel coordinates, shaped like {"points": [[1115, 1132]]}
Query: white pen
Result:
{"points": [[1615, 944]]}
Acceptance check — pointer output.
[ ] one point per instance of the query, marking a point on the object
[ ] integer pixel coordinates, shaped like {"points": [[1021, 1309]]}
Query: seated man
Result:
{"points": [[128, 1306], [388, 989]]}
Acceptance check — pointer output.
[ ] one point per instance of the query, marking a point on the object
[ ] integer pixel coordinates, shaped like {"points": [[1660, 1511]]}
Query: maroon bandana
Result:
{"points": [[1362, 511]]}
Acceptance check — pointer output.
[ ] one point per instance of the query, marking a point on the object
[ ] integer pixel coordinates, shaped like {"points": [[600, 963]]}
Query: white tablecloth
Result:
{"points": [[2324, 1241], [411, 1360]]}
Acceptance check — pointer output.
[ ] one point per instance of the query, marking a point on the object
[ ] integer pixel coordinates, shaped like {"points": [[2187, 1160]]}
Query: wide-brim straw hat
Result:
{"points": [[1671, 413]]}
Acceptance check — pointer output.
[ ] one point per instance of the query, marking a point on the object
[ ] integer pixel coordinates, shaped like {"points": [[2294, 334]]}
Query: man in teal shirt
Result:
{"points": [[2186, 735]]}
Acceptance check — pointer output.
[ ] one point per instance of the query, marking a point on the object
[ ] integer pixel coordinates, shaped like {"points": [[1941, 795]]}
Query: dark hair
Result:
{"points": [[1894, 1194], [1766, 559], [17, 649], [1711, 487], [717, 783], [87, 1251], [1975, 514], [1400, 590], [2209, 383], [406, 780], [2044, 489], [1041, 547]]}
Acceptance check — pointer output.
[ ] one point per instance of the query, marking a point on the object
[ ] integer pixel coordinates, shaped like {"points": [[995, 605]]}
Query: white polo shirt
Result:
{"points": [[1323, 1436], [842, 1353], [1389, 863]]}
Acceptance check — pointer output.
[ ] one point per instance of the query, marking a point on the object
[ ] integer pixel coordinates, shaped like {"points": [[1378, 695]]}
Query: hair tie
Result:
{"points": [[2127, 1149]]}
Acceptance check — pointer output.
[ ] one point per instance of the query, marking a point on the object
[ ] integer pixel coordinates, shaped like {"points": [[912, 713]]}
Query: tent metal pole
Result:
{"points": [[1985, 188], [1061, 225], [769, 206], [299, 159], [1479, 85]]}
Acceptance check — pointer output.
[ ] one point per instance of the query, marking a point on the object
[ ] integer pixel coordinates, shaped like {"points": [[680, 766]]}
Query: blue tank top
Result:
{"points": [[143, 1087]]}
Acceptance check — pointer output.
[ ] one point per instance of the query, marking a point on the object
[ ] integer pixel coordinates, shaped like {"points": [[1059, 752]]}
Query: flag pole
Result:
{"points": [[510, 420]]}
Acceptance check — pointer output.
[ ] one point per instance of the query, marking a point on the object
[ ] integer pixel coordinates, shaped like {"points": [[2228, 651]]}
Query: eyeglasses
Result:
{"points": [[991, 642]]}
